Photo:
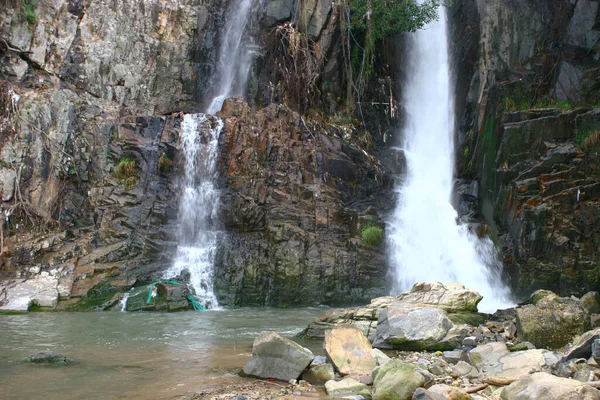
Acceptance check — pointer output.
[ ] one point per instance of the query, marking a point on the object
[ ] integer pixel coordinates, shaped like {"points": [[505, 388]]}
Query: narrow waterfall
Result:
{"points": [[198, 206], [426, 240], [199, 203], [234, 57]]}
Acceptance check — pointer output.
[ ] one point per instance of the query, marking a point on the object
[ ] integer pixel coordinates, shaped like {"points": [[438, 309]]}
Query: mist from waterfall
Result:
{"points": [[427, 242]]}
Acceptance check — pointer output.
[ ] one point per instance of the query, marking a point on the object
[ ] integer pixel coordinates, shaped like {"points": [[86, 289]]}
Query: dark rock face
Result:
{"points": [[529, 104], [294, 200]]}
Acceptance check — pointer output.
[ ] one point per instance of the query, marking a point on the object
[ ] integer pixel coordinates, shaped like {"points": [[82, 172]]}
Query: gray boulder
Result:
{"points": [[411, 328], [396, 380], [543, 386], [349, 350], [582, 348], [551, 321], [276, 357], [346, 386]]}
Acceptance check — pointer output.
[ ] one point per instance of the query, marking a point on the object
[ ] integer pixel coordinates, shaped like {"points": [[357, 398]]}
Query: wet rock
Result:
{"points": [[345, 386], [551, 321], [396, 380], [47, 357], [276, 357], [319, 374], [510, 329], [411, 329], [349, 351], [171, 292], [542, 385]]}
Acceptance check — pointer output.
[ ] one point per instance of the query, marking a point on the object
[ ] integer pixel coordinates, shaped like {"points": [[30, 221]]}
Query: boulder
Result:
{"points": [[544, 386], [349, 351], [48, 357], [21, 294], [319, 374], [396, 380], [551, 321], [345, 386], [276, 357], [454, 356], [411, 328], [452, 298], [495, 360], [171, 292]]}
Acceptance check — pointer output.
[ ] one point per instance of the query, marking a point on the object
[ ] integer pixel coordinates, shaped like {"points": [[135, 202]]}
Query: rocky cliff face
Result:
{"points": [[295, 198], [96, 86], [530, 107], [90, 160]]}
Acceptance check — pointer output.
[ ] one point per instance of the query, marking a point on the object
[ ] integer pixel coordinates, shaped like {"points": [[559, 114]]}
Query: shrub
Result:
{"points": [[29, 7], [372, 235], [126, 172], [588, 139], [164, 163]]}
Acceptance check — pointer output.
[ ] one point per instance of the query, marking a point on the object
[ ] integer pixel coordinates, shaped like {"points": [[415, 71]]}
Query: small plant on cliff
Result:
{"points": [[372, 235], [164, 163], [588, 139], [126, 172], [29, 7]]}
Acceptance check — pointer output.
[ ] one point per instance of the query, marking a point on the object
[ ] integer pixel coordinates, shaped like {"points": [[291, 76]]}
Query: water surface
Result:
{"points": [[135, 355]]}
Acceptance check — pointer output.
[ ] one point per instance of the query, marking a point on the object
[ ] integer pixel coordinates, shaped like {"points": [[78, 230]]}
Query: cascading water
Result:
{"points": [[198, 206], [235, 58], [427, 242]]}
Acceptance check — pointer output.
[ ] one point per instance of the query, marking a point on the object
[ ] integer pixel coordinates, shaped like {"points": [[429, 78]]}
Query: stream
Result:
{"points": [[136, 355]]}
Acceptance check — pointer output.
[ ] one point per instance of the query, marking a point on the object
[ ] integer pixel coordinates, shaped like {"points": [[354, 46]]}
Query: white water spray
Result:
{"points": [[123, 302], [199, 206], [234, 57], [427, 242]]}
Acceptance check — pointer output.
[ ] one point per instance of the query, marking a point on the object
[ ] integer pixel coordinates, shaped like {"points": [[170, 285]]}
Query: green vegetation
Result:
{"points": [[372, 235], [384, 18], [588, 139], [164, 163], [126, 172], [507, 104], [29, 7]]}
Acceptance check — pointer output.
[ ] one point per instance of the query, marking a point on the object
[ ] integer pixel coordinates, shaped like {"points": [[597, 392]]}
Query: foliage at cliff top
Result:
{"points": [[387, 17]]}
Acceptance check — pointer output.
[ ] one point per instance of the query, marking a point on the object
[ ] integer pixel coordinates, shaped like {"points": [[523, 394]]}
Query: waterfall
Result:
{"points": [[235, 57], [198, 206], [427, 242]]}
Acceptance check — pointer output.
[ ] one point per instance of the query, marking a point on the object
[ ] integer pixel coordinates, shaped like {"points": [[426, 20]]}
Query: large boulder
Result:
{"points": [[411, 328], [451, 298], [396, 380], [543, 386], [276, 357], [458, 301], [551, 321], [350, 351], [319, 374]]}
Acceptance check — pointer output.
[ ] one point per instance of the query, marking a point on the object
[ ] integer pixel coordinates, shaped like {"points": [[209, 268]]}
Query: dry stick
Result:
{"points": [[497, 381], [476, 389]]}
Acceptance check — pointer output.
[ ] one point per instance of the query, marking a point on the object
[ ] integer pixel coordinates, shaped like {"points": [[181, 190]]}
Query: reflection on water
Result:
{"points": [[134, 355]]}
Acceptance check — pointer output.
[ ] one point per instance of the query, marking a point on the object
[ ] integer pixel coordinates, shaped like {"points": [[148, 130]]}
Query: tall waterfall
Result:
{"points": [[234, 57], [198, 206], [427, 242]]}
